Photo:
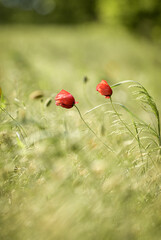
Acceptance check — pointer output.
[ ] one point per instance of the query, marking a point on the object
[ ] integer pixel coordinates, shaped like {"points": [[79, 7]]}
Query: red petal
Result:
{"points": [[64, 99], [104, 89]]}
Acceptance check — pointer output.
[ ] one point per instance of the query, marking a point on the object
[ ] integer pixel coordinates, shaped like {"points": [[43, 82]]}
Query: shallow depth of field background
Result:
{"points": [[64, 184]]}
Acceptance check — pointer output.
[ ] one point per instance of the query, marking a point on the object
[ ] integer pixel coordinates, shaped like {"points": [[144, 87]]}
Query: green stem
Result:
{"points": [[131, 113], [121, 119], [109, 148], [159, 136], [158, 117], [139, 143]]}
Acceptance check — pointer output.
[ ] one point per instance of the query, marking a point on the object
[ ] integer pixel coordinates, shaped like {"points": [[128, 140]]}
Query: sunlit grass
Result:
{"points": [[58, 181]]}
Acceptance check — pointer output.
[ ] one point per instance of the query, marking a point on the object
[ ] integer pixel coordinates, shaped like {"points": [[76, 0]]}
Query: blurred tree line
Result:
{"points": [[47, 11], [142, 15]]}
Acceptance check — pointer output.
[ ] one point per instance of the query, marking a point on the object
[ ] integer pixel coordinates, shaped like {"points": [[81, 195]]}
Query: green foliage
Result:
{"points": [[48, 11], [143, 16]]}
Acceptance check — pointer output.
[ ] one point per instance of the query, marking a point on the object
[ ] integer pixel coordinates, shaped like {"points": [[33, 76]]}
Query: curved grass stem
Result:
{"points": [[137, 138], [139, 142], [150, 102], [118, 115], [109, 148]]}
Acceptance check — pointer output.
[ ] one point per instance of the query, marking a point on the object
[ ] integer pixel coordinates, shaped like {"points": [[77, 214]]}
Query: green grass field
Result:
{"points": [[57, 180]]}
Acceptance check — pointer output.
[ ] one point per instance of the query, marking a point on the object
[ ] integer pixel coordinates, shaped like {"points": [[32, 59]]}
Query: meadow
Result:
{"points": [[57, 179]]}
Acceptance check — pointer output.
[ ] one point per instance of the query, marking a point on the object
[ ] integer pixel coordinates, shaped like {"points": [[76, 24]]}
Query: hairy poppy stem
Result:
{"points": [[109, 148]]}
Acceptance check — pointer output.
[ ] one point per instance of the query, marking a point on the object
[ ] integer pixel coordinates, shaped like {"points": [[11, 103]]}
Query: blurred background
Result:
{"points": [[65, 180], [141, 16], [57, 41]]}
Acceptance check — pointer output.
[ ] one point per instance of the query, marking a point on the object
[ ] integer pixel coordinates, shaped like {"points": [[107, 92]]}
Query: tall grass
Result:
{"points": [[60, 182], [146, 134]]}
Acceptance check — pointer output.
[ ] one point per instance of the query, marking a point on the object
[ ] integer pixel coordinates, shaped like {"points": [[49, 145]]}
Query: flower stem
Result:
{"points": [[137, 138], [121, 119], [109, 148]]}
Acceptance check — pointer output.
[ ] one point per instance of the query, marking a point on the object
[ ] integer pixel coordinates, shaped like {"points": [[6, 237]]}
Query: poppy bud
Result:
{"points": [[65, 99], [36, 94], [104, 89], [48, 102], [85, 79]]}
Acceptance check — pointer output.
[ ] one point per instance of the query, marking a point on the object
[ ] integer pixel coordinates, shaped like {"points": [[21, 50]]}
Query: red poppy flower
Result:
{"points": [[104, 89], [65, 99]]}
